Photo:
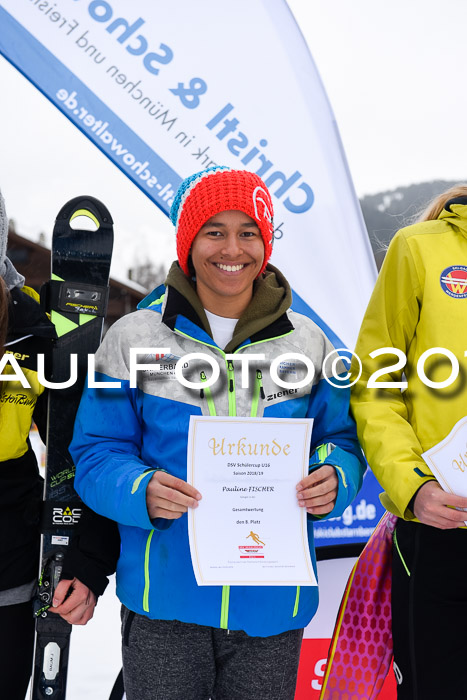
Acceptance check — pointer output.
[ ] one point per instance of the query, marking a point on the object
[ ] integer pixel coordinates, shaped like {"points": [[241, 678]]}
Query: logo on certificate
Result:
{"points": [[252, 551]]}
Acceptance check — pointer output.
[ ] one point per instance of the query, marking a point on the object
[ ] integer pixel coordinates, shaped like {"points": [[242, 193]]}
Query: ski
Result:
{"points": [[118, 691], [76, 298]]}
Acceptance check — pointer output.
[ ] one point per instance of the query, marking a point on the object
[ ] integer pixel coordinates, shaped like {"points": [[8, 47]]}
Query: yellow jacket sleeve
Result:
{"points": [[383, 414]]}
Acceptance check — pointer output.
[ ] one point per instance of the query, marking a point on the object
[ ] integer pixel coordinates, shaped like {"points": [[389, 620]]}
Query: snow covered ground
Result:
{"points": [[95, 654]]}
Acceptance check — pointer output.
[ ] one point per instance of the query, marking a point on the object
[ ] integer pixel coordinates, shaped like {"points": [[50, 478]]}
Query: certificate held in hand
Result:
{"points": [[448, 460], [249, 529]]}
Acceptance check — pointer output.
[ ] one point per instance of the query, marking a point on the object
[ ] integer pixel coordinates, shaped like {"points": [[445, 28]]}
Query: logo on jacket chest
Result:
{"points": [[453, 281], [281, 394], [163, 365]]}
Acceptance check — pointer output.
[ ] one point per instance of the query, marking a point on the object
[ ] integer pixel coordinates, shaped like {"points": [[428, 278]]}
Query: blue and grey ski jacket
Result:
{"points": [[123, 434]]}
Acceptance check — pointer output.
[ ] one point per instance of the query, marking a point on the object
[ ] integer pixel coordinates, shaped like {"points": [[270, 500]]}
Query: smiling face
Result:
{"points": [[227, 255]]}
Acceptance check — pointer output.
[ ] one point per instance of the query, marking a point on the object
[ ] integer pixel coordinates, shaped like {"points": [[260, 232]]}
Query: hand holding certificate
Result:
{"points": [[249, 529], [448, 462]]}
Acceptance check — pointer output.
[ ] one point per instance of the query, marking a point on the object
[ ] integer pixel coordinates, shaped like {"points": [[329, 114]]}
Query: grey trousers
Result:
{"points": [[172, 660]]}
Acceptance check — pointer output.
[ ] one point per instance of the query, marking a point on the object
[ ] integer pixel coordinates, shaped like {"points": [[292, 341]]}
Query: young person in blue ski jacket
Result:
{"points": [[181, 640]]}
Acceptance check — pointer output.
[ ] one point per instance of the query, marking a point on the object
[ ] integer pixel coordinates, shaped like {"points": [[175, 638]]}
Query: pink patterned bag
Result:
{"points": [[361, 647]]}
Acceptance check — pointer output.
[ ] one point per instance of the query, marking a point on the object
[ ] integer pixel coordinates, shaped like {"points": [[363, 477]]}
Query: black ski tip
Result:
{"points": [[85, 203]]}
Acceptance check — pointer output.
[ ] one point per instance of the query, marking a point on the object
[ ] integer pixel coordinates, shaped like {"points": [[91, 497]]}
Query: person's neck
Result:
{"points": [[227, 307]]}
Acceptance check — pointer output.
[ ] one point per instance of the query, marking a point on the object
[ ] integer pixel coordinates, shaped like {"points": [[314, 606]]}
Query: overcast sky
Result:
{"points": [[395, 76]]}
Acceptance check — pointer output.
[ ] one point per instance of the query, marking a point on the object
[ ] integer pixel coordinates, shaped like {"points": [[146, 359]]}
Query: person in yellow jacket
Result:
{"points": [[407, 399]]}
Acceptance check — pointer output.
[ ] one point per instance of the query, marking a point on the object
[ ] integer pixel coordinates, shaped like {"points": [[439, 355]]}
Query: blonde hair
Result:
{"points": [[436, 206]]}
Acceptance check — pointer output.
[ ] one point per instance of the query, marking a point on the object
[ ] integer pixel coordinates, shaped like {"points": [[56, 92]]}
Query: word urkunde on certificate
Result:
{"points": [[248, 528]]}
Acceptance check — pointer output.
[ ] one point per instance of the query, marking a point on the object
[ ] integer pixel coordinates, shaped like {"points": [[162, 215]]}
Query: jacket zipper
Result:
{"points": [[322, 452], [206, 391], [224, 619], [225, 608], [224, 622], [146, 573], [257, 392], [231, 383], [297, 599]]}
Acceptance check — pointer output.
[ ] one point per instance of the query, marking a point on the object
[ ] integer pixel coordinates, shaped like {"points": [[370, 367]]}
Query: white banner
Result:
{"points": [[167, 89]]}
